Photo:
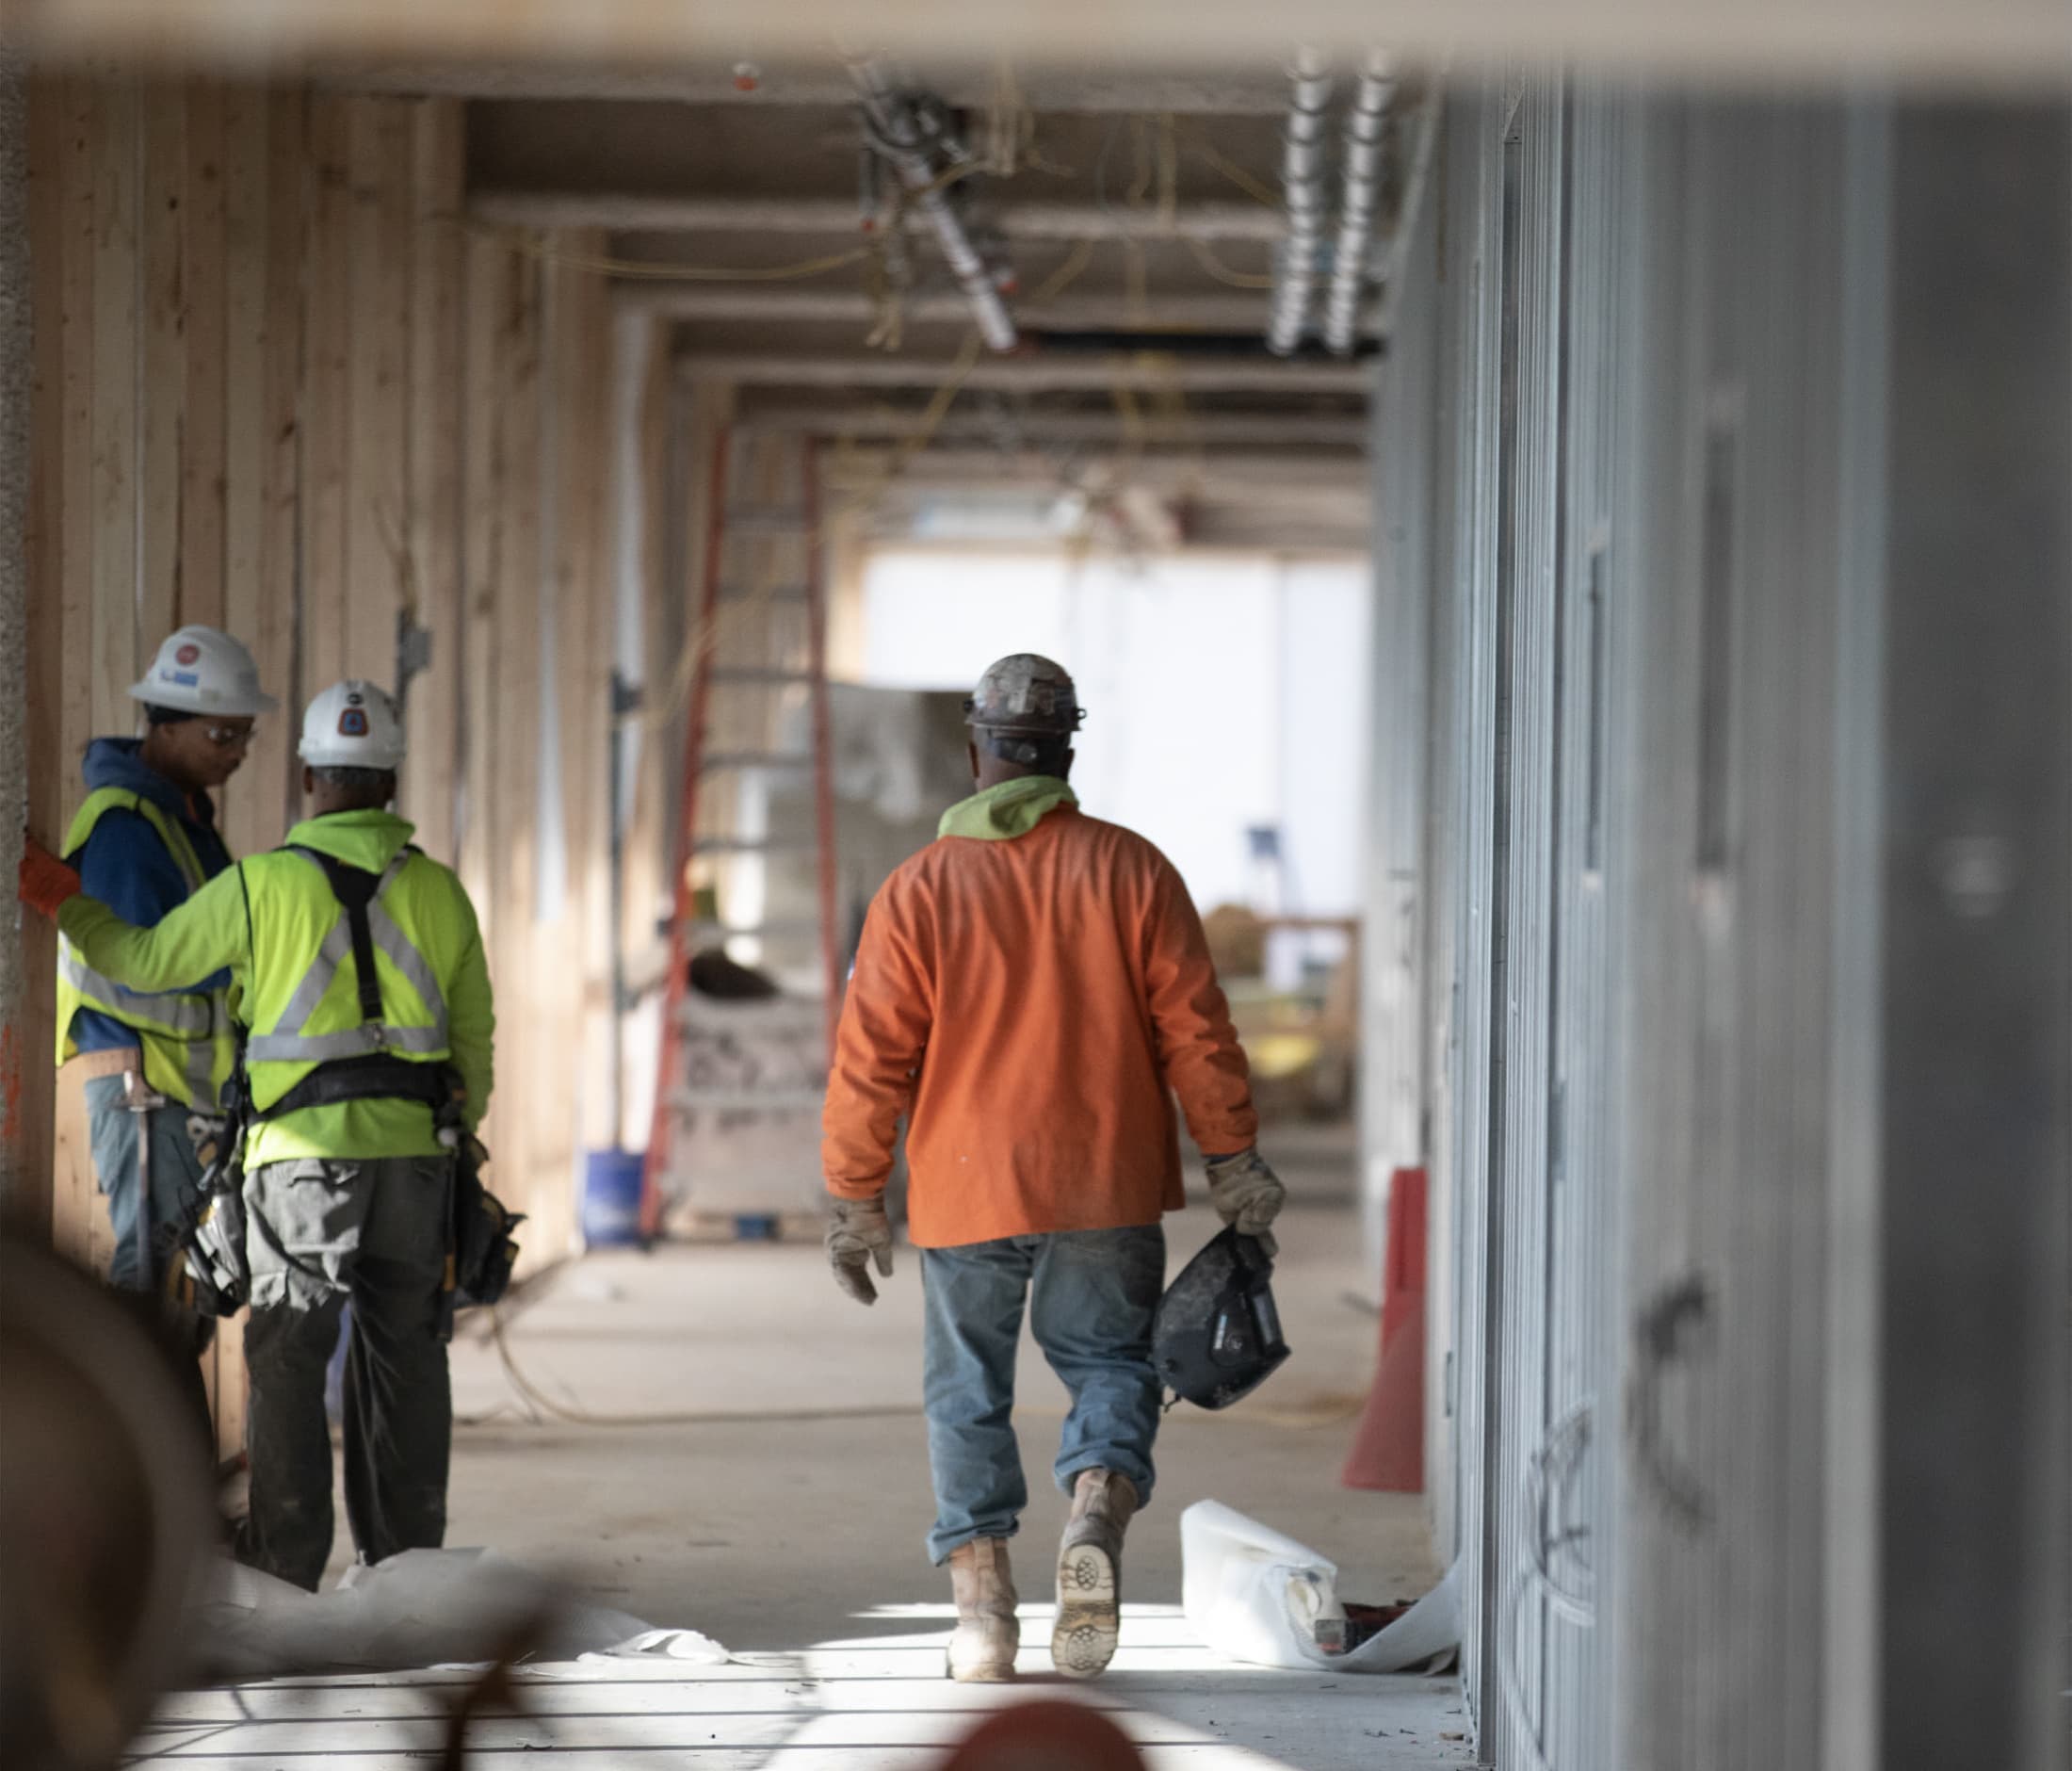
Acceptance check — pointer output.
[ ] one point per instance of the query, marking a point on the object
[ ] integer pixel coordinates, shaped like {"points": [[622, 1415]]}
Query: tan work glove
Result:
{"points": [[858, 1232], [1247, 1195]]}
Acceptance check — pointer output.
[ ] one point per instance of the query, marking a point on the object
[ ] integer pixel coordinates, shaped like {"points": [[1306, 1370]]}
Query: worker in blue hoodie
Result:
{"points": [[144, 842]]}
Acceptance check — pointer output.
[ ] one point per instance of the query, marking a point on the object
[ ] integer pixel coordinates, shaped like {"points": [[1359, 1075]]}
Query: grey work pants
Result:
{"points": [[319, 1232]]}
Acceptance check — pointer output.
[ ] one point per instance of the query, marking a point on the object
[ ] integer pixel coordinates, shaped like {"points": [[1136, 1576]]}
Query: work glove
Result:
{"points": [[45, 882], [858, 1232], [1247, 1195]]}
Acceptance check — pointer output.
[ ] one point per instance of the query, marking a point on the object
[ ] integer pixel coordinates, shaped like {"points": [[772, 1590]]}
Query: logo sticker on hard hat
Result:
{"points": [[352, 722], [186, 653]]}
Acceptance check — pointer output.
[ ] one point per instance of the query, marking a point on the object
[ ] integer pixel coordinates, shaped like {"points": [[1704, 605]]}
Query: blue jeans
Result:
{"points": [[143, 1226], [1091, 1295]]}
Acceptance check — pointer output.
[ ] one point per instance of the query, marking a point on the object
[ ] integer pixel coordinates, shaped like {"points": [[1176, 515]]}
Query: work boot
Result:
{"points": [[988, 1633], [1089, 1570]]}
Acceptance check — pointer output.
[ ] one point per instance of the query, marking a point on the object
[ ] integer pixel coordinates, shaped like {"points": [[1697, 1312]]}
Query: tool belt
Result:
{"points": [[480, 1248]]}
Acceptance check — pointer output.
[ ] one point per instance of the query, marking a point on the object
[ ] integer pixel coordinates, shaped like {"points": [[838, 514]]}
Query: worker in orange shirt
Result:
{"points": [[1032, 992]]}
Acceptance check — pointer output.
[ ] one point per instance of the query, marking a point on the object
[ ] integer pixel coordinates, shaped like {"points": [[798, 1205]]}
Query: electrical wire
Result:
{"points": [[575, 1416], [527, 244], [1214, 156], [1206, 257], [1329, 1411]]}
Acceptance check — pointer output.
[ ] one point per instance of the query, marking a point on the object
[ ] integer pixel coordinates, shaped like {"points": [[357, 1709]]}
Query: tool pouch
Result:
{"points": [[212, 1277], [482, 1248]]}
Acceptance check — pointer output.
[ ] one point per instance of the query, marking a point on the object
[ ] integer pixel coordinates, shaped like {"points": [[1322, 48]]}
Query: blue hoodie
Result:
{"points": [[126, 865]]}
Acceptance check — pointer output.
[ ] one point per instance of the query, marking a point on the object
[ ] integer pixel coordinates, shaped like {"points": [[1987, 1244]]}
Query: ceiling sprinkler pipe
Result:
{"points": [[1303, 154], [1366, 126], [898, 135]]}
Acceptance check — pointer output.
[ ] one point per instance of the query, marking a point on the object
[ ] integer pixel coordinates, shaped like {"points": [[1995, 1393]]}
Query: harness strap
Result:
{"points": [[354, 888]]}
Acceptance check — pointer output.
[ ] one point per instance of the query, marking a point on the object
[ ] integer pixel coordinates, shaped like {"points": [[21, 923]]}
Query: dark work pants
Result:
{"points": [[321, 1231]]}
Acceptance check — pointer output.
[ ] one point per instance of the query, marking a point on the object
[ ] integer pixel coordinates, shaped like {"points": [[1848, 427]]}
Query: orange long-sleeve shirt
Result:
{"points": [[1032, 1005]]}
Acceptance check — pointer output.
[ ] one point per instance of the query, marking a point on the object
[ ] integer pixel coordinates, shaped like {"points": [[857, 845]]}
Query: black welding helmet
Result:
{"points": [[1217, 1336]]}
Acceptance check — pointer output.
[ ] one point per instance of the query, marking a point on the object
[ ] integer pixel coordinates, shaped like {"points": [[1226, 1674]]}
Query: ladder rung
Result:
{"points": [[765, 519], [721, 759], [776, 594], [757, 676], [749, 845]]}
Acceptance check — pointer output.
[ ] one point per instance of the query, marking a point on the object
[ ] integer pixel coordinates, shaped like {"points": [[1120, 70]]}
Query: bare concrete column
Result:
{"points": [[16, 346]]}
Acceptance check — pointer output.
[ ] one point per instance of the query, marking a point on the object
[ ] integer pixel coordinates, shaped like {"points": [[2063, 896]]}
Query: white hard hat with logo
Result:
{"points": [[199, 670], [353, 724]]}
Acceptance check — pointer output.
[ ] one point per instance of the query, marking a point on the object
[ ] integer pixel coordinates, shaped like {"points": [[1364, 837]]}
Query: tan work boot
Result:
{"points": [[1090, 1571], [988, 1633]]}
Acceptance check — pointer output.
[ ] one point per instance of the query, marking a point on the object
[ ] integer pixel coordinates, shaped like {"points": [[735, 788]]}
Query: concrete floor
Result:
{"points": [[784, 1515]]}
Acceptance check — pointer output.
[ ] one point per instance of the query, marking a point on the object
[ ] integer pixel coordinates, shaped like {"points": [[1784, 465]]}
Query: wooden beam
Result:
{"points": [[1206, 429], [204, 516], [639, 212], [290, 188], [1232, 312], [1047, 87], [326, 395], [432, 583], [163, 387], [1062, 372], [378, 268], [112, 129]]}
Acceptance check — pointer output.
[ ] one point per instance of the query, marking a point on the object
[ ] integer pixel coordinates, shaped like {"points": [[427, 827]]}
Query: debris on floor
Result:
{"points": [[422, 1608], [1257, 1595]]}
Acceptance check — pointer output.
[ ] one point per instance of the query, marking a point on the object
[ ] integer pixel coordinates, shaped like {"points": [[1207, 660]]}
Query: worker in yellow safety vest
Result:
{"points": [[365, 996], [144, 842]]}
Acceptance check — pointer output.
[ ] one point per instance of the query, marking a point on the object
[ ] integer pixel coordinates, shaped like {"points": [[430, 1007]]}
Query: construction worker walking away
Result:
{"points": [[1030, 992], [366, 1009], [144, 842]]}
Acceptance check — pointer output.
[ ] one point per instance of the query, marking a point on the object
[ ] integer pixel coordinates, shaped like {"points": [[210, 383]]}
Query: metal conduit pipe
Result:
{"points": [[898, 134], [1303, 178], [1364, 129]]}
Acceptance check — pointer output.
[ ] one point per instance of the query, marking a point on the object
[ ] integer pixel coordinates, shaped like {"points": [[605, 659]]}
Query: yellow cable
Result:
{"points": [[1222, 273], [522, 241], [1068, 272], [1246, 182]]}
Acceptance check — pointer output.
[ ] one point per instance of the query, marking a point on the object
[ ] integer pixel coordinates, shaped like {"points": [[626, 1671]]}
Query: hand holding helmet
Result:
{"points": [[1247, 1195]]}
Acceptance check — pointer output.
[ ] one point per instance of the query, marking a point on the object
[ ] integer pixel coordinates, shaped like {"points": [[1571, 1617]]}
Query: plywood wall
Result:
{"points": [[283, 389]]}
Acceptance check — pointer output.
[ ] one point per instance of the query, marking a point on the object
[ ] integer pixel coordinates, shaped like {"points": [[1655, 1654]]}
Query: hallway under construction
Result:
{"points": [[1562, 521]]}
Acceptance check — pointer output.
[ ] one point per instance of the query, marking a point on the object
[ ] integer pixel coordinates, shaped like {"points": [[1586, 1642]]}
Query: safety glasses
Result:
{"points": [[227, 737]]}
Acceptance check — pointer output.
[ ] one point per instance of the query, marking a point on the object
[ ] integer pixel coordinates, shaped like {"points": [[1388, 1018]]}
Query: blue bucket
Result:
{"points": [[611, 1199]]}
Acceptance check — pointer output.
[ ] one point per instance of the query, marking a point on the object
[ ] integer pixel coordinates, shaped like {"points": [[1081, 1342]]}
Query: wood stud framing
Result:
{"points": [[281, 390]]}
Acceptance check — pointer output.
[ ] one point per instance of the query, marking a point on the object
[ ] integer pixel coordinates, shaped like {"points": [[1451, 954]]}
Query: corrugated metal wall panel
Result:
{"points": [[1656, 426]]}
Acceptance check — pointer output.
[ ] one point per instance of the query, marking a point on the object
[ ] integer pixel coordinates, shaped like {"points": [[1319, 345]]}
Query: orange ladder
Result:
{"points": [[730, 657]]}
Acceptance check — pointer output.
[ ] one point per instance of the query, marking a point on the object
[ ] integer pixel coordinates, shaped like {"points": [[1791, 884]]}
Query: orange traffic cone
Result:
{"points": [[1388, 1445]]}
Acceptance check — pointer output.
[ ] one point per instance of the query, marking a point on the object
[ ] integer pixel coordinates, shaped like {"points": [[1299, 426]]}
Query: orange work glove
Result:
{"points": [[46, 881]]}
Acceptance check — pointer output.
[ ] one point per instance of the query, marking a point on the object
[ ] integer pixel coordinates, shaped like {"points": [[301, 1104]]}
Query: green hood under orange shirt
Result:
{"points": [[1032, 992]]}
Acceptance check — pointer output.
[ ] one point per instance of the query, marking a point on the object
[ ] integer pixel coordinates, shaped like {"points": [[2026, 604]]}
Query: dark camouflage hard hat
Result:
{"points": [[1025, 694]]}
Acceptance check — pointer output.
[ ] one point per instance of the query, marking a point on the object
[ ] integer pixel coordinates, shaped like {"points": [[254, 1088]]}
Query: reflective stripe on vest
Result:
{"points": [[185, 1037], [289, 1044], [187, 1017]]}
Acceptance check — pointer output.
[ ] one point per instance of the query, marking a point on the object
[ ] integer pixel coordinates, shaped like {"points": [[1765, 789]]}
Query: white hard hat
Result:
{"points": [[199, 670], [352, 724]]}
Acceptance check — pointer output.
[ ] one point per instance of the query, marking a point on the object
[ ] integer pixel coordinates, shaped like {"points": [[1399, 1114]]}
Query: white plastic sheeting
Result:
{"points": [[1257, 1595], [422, 1608]]}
